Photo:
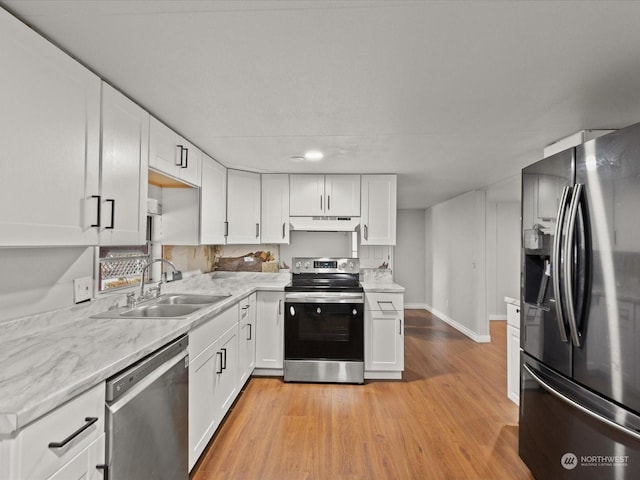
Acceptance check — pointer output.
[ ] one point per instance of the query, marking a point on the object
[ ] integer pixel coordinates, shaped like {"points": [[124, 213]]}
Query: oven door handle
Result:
{"points": [[324, 298]]}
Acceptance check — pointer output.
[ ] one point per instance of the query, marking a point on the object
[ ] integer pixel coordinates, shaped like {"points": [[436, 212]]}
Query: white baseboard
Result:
{"points": [[416, 306], [458, 326], [497, 317]]}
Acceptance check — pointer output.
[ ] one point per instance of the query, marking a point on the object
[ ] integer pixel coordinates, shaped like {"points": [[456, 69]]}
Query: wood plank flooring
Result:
{"points": [[449, 418]]}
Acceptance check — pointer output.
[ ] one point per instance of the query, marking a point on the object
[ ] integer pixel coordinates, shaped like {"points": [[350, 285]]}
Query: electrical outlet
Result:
{"points": [[82, 289]]}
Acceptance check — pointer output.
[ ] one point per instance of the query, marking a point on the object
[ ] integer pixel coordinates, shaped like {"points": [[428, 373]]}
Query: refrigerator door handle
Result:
{"points": [[567, 273], [586, 411], [555, 259]]}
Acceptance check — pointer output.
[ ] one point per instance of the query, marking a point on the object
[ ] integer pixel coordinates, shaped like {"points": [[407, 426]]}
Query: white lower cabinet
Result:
{"points": [[84, 465], [213, 380], [66, 443], [384, 335], [247, 338], [270, 331], [513, 364]]}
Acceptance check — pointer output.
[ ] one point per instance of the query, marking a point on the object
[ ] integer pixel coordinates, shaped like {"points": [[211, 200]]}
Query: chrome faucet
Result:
{"points": [[177, 275]]}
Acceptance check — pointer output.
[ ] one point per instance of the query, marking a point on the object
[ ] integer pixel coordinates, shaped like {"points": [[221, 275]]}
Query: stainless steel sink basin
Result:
{"points": [[160, 311], [190, 299]]}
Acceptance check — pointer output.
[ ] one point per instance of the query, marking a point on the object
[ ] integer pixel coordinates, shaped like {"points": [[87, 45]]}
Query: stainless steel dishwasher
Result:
{"points": [[147, 417]]}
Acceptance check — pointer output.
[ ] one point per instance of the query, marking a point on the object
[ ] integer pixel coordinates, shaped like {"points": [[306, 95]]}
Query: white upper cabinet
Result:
{"points": [[124, 169], [243, 207], [213, 202], [325, 195], [171, 154], [275, 208], [378, 220], [342, 195], [50, 124]]}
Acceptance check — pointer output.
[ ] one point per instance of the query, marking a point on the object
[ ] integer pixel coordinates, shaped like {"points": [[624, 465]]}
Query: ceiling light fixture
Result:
{"points": [[313, 155]]}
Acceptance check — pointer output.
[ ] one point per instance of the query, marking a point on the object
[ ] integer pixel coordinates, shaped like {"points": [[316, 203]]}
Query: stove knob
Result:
{"points": [[298, 264], [351, 265], [307, 264], [355, 312], [343, 266]]}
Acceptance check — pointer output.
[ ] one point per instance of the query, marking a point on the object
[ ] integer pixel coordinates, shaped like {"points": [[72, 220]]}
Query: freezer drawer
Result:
{"points": [[567, 432]]}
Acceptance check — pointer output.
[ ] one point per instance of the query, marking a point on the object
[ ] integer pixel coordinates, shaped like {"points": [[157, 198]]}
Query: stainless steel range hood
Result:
{"points": [[324, 224]]}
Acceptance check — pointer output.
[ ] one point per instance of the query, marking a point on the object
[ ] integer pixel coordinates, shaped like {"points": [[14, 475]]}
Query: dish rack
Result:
{"points": [[121, 267]]}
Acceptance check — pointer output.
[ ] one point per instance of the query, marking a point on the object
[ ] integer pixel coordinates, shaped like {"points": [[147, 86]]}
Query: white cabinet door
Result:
{"points": [[378, 221], [342, 194], [164, 153], [513, 364], [320, 195], [384, 332], [270, 330], [213, 202], [83, 466], [246, 338], [203, 417], [190, 164], [206, 382], [275, 208], [124, 170], [385, 341], [306, 195], [172, 154], [50, 124], [228, 373], [243, 207]]}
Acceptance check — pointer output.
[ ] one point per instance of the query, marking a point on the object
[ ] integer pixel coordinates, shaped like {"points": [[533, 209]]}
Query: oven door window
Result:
{"points": [[332, 331]]}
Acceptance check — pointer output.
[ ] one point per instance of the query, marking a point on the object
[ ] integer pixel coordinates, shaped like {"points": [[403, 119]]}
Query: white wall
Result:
{"points": [[36, 280], [316, 244], [409, 254], [503, 245], [455, 248]]}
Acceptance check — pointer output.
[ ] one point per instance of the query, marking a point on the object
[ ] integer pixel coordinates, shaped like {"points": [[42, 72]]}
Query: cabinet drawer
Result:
{"points": [[37, 458], [392, 302], [201, 337]]}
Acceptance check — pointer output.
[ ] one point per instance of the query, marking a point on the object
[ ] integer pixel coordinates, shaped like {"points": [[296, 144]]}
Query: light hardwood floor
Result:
{"points": [[449, 418]]}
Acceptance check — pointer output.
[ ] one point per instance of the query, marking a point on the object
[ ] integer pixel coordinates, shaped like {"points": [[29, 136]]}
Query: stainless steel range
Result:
{"points": [[324, 322]]}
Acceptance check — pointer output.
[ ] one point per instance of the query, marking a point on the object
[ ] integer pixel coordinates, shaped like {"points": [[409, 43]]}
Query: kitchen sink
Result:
{"points": [[160, 311], [190, 299], [176, 305]]}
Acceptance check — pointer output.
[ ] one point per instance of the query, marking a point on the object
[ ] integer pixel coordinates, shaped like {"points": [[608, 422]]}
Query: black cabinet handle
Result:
{"points": [[105, 470], [250, 331], [320, 202], [283, 230], [219, 371], [113, 213], [366, 232], [89, 421], [224, 361], [226, 229], [97, 224], [186, 159], [179, 160], [257, 230], [400, 329], [328, 202]]}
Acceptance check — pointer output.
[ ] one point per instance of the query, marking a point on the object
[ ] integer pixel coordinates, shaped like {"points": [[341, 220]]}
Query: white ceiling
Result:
{"points": [[451, 95]]}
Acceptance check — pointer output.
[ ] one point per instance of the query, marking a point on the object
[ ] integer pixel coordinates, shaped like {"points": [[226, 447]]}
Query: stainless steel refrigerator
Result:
{"points": [[580, 311]]}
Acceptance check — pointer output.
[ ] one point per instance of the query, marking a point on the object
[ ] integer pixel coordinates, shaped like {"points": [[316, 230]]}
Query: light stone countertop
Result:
{"points": [[382, 287], [48, 359]]}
